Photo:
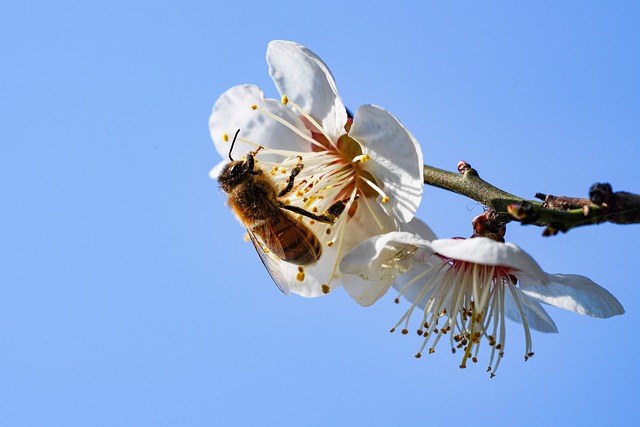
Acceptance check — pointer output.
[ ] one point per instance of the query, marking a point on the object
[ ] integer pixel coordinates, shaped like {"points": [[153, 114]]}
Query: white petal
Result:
{"points": [[575, 293], [396, 158], [417, 226], [217, 169], [232, 111], [306, 80], [536, 316], [365, 292], [385, 256], [484, 251], [365, 261]]}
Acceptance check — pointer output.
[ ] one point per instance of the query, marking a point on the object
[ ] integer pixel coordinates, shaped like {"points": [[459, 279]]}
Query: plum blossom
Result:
{"points": [[369, 161], [465, 288]]}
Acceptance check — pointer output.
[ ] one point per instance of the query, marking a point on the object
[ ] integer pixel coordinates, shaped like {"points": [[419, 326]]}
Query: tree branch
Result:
{"points": [[555, 213]]}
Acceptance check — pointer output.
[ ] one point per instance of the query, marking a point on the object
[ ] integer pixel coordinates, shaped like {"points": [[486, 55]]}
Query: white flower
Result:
{"points": [[466, 287], [371, 161]]}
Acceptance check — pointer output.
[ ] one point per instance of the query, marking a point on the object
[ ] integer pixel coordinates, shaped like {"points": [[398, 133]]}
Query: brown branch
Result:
{"points": [[555, 213]]}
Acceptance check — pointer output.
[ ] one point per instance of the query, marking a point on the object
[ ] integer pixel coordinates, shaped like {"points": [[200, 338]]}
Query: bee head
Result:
{"points": [[235, 172]]}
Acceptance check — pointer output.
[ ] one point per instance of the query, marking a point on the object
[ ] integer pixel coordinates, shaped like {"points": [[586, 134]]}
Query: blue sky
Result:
{"points": [[127, 293]]}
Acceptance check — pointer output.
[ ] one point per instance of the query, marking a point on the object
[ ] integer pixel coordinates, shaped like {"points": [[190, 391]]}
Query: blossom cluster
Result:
{"points": [[355, 183]]}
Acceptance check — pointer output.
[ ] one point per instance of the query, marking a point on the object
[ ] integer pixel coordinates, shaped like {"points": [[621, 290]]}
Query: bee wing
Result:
{"points": [[269, 263]]}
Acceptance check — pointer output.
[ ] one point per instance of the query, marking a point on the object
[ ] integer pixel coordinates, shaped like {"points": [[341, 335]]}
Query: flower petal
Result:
{"points": [[217, 169], [575, 293], [385, 256], [306, 80], [481, 250], [396, 158], [536, 316], [419, 227], [232, 111]]}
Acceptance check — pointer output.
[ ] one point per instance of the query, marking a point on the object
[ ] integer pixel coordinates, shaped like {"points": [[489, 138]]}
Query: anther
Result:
{"points": [[418, 355], [254, 107], [363, 158], [404, 332], [225, 137], [385, 199], [325, 289], [285, 100]]}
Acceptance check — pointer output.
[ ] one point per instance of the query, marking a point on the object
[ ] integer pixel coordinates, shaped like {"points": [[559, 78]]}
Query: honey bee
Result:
{"points": [[257, 203]]}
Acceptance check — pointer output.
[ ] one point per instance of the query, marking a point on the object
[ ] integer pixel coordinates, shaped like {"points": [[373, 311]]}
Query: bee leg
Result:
{"points": [[294, 172], [328, 217], [250, 161]]}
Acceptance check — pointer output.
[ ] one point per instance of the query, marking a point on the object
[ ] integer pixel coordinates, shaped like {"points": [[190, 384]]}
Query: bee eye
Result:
{"points": [[236, 169]]}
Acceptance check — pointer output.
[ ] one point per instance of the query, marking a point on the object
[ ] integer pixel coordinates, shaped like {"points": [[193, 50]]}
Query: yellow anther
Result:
{"points": [[254, 107], [362, 158], [385, 199], [285, 100], [225, 137], [325, 289], [330, 243], [300, 275]]}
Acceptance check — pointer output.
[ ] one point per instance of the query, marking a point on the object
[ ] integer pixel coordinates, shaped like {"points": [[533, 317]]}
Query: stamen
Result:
{"points": [[361, 158], [225, 137], [310, 119], [287, 124], [384, 197]]}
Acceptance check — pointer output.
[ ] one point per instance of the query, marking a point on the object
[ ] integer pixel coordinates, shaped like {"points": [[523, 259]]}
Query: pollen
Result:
{"points": [[285, 100], [325, 289], [246, 237], [300, 275], [283, 170], [363, 158]]}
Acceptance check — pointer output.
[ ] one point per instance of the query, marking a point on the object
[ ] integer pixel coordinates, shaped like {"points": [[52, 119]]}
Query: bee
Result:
{"points": [[270, 223]]}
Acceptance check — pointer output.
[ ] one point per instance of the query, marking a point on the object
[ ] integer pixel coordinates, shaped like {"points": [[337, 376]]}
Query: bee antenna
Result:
{"points": [[233, 143]]}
